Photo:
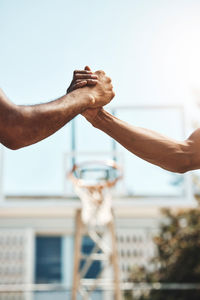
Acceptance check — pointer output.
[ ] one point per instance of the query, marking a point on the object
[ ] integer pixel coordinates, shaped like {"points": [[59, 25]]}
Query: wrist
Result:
{"points": [[83, 99], [101, 119]]}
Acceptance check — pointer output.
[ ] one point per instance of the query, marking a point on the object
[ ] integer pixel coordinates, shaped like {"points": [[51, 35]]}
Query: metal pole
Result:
{"points": [[115, 262], [77, 254]]}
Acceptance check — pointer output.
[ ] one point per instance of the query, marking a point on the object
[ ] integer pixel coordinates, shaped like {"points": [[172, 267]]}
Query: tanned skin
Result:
{"points": [[21, 126], [169, 154], [172, 155]]}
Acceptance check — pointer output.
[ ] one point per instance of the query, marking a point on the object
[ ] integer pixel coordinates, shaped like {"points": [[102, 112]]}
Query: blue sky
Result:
{"points": [[150, 48]]}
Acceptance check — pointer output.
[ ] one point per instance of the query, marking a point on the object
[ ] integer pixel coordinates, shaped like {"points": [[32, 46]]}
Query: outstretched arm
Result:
{"points": [[149, 145], [21, 126]]}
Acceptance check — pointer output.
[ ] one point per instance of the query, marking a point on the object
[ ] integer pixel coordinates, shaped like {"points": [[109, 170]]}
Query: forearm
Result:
{"points": [[146, 144], [26, 125]]}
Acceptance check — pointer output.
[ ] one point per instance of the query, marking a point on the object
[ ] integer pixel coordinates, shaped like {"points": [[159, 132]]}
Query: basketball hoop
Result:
{"points": [[95, 190], [93, 182]]}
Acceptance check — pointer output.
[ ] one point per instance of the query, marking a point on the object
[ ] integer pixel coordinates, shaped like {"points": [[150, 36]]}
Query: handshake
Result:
{"points": [[97, 89], [88, 92]]}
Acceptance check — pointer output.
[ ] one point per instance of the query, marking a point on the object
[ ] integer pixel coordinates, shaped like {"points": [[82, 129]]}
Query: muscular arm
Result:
{"points": [[21, 126], [151, 146]]}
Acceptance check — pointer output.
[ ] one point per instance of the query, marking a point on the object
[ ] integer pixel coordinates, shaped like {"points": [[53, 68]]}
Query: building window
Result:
{"points": [[95, 268], [48, 260]]}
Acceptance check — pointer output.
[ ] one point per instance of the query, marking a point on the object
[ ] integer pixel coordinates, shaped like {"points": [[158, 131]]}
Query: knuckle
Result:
{"points": [[102, 72], [76, 75], [112, 94]]}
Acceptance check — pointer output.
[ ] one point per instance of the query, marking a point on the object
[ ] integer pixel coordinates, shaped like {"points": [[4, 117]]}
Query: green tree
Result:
{"points": [[177, 260]]}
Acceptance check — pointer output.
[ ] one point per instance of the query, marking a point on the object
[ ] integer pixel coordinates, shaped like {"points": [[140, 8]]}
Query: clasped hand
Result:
{"points": [[97, 85]]}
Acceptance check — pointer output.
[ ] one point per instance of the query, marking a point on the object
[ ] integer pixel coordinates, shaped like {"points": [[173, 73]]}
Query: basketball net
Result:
{"points": [[96, 205], [96, 193]]}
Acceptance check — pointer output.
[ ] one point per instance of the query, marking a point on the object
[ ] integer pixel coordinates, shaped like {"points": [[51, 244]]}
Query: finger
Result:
{"points": [[109, 87], [92, 81], [85, 76], [112, 94], [87, 68], [79, 85], [89, 81], [83, 72], [100, 72], [78, 80], [108, 79]]}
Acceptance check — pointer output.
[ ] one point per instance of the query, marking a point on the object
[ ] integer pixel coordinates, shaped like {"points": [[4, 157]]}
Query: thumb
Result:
{"points": [[87, 68]]}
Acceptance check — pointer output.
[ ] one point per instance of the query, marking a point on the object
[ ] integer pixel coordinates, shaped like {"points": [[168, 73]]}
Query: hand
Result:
{"points": [[91, 113], [82, 78], [102, 92]]}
